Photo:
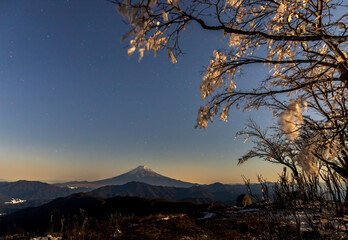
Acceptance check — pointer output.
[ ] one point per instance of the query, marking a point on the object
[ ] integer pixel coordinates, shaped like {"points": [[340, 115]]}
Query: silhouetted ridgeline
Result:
{"points": [[222, 193], [140, 181], [37, 193]]}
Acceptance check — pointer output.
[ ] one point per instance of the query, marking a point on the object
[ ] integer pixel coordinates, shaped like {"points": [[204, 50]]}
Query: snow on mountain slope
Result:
{"points": [[138, 174], [146, 175], [141, 171]]}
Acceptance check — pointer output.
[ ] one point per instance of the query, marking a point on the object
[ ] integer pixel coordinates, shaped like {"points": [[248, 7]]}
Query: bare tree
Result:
{"points": [[302, 42], [270, 147]]}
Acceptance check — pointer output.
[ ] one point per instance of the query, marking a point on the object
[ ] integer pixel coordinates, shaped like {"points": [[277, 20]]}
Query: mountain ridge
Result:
{"points": [[20, 194], [221, 193], [139, 174]]}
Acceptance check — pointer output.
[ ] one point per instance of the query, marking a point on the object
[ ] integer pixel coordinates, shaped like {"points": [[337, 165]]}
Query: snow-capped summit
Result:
{"points": [[146, 175], [142, 171]]}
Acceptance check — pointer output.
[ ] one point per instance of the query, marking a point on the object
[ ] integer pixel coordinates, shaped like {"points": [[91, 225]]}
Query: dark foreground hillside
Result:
{"points": [[63, 213], [84, 216], [90, 216]]}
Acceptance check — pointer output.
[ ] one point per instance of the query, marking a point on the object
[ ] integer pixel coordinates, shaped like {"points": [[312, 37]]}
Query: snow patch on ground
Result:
{"points": [[166, 218], [15, 201], [48, 237], [117, 233], [249, 210], [207, 215]]}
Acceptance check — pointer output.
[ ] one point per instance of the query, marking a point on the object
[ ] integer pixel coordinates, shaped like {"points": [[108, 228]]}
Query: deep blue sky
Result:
{"points": [[73, 106]]}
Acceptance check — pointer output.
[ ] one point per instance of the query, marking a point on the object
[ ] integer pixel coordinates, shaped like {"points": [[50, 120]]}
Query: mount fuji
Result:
{"points": [[139, 174]]}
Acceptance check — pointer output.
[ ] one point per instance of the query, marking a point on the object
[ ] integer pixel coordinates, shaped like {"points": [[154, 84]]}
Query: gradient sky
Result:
{"points": [[73, 106]]}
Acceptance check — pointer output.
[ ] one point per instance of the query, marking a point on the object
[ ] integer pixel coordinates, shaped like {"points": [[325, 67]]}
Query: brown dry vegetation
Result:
{"points": [[226, 225]]}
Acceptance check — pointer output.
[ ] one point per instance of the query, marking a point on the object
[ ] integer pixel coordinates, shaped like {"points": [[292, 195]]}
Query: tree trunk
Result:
{"points": [[345, 204]]}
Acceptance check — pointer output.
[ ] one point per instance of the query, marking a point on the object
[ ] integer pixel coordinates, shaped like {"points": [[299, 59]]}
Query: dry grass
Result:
{"points": [[226, 225]]}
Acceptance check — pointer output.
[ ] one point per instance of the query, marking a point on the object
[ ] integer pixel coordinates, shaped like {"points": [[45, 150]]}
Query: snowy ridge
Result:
{"points": [[142, 171]]}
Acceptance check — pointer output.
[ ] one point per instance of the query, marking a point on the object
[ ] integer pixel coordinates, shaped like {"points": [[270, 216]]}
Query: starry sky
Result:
{"points": [[74, 106]]}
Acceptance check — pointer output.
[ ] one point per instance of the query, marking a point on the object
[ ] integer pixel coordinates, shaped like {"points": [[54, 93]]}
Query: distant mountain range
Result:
{"points": [[141, 182], [21, 194], [217, 192], [32, 190], [139, 174]]}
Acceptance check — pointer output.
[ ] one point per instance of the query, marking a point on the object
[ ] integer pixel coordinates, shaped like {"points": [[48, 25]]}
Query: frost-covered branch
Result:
{"points": [[302, 43]]}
